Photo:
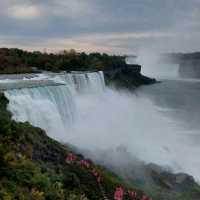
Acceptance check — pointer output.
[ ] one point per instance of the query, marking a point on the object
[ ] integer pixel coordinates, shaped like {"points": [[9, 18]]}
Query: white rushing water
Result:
{"points": [[53, 108], [87, 114], [153, 67]]}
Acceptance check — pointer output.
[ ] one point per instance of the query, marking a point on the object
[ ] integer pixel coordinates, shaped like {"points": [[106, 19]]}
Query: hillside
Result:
{"points": [[33, 166]]}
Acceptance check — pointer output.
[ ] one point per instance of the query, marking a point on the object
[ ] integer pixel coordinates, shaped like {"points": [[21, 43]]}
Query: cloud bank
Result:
{"points": [[112, 26]]}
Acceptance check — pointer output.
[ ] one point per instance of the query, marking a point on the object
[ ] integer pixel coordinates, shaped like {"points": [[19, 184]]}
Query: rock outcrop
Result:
{"points": [[127, 77], [177, 182]]}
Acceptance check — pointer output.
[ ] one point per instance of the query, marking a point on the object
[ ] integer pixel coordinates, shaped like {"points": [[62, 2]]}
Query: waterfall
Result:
{"points": [[53, 108], [84, 82], [83, 112], [153, 67]]}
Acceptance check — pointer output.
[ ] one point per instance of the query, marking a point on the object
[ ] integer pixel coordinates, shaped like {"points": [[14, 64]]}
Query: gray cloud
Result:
{"points": [[114, 26]]}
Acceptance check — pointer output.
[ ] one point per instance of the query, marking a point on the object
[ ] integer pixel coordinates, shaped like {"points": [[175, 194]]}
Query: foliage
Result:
{"points": [[33, 166], [19, 61]]}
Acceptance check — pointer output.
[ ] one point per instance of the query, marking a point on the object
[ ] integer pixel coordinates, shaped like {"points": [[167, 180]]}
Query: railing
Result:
{"points": [[27, 84]]}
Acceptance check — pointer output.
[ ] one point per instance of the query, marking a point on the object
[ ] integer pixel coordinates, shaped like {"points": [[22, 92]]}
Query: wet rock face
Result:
{"points": [[166, 179], [182, 178], [152, 177], [127, 77]]}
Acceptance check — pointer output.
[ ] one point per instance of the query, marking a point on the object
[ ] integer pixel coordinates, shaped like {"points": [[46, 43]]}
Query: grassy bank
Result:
{"points": [[33, 166], [36, 167]]}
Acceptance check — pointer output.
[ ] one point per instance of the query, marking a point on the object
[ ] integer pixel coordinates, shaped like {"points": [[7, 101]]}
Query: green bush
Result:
{"points": [[5, 123]]}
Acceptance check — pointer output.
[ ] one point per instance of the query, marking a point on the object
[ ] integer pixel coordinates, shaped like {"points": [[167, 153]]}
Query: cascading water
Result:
{"points": [[153, 67], [87, 114], [53, 108], [84, 82]]}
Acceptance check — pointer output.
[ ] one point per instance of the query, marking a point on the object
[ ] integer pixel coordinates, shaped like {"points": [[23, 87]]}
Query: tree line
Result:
{"points": [[19, 61]]}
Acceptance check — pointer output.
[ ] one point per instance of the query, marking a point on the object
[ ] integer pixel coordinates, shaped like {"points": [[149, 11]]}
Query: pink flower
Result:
{"points": [[98, 179], [146, 198], [94, 172], [70, 158], [85, 163], [119, 193], [132, 194]]}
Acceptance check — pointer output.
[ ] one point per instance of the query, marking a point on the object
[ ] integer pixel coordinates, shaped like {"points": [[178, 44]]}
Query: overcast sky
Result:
{"points": [[113, 26]]}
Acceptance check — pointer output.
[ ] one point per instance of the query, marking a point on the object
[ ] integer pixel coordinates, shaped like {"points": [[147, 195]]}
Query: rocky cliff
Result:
{"points": [[127, 77]]}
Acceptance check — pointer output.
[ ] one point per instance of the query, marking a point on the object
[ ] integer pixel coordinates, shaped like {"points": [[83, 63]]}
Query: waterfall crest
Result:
{"points": [[84, 82], [53, 108]]}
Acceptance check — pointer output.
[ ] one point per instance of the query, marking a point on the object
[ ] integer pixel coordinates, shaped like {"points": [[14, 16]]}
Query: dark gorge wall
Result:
{"points": [[190, 68]]}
